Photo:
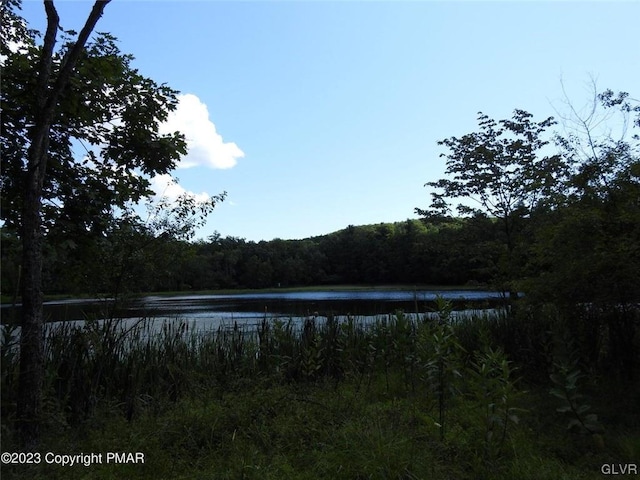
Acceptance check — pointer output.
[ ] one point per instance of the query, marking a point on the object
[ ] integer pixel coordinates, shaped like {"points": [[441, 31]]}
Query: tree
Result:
{"points": [[500, 169], [595, 228], [83, 93], [586, 253]]}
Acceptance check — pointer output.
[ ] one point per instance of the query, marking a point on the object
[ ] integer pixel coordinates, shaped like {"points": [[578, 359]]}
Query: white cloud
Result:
{"points": [[165, 186], [205, 145]]}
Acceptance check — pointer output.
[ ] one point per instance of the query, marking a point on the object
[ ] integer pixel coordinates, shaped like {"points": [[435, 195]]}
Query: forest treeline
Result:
{"points": [[460, 251]]}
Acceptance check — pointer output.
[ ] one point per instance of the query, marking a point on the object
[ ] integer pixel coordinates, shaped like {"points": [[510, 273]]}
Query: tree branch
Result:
{"points": [[44, 69], [72, 58]]}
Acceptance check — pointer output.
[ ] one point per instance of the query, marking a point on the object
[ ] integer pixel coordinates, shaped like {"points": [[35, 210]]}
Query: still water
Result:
{"points": [[207, 312]]}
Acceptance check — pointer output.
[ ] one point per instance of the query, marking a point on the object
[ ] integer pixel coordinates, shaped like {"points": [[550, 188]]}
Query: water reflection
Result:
{"points": [[213, 310], [212, 313]]}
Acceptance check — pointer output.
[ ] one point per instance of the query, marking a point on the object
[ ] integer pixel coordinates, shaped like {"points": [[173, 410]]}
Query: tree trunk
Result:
{"points": [[31, 348], [31, 338]]}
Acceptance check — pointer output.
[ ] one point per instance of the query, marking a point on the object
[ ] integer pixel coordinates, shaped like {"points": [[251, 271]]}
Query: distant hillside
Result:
{"points": [[452, 253]]}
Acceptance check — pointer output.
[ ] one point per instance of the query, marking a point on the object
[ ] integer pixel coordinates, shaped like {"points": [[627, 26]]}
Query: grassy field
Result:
{"points": [[322, 431]]}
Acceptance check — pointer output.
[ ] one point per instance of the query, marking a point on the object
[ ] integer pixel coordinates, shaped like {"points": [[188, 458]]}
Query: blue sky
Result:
{"points": [[316, 115]]}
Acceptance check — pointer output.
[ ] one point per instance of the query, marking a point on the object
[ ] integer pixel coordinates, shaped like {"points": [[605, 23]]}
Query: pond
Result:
{"points": [[211, 311]]}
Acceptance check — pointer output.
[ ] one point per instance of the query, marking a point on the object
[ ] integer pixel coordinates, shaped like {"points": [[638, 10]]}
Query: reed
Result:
{"points": [[135, 366], [397, 396]]}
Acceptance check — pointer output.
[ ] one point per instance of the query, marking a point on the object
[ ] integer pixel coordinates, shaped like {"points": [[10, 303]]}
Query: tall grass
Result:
{"points": [[426, 395], [143, 365]]}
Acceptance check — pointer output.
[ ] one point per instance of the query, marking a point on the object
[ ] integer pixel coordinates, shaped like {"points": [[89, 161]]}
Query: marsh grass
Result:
{"points": [[428, 396]]}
